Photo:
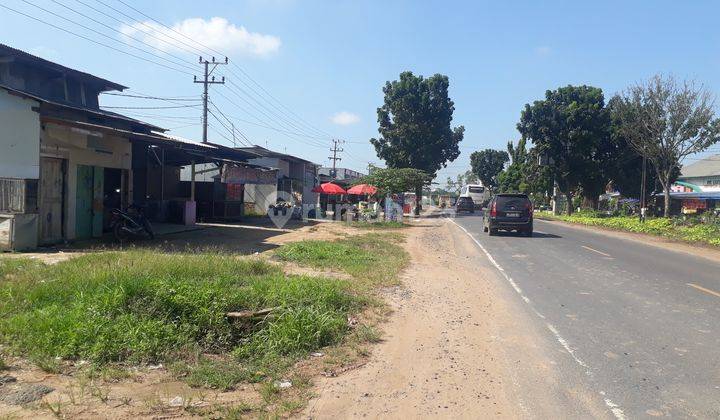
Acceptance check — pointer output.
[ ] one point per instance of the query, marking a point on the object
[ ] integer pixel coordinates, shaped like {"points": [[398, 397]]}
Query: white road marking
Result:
{"points": [[595, 250], [614, 408]]}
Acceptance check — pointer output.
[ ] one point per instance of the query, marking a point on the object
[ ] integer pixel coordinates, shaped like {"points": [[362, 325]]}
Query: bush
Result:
{"points": [[692, 229]]}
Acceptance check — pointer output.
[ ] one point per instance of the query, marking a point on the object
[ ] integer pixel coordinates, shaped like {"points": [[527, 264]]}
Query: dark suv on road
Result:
{"points": [[509, 212], [465, 204]]}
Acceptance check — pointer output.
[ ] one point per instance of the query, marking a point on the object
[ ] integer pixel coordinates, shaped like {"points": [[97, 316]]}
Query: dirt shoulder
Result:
{"points": [[435, 359]]}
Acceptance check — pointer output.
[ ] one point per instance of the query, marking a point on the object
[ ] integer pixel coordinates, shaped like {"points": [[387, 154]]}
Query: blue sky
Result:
{"points": [[322, 58]]}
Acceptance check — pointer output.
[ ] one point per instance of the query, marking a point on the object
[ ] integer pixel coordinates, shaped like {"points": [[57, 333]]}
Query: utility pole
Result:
{"points": [[206, 81], [335, 149], [643, 198]]}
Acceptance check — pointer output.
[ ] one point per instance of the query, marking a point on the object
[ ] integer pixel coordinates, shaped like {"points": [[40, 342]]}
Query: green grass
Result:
{"points": [[373, 259], [12, 266], [380, 225], [708, 234], [141, 307]]}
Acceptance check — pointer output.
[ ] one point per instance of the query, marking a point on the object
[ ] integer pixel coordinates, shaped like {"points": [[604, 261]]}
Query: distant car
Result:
{"points": [[464, 204], [509, 212]]}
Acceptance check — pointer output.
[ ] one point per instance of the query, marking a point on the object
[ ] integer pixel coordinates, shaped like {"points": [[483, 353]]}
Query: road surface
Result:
{"points": [[638, 325]]}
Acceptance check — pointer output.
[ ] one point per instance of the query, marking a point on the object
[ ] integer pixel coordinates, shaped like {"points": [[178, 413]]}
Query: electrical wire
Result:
{"points": [[151, 107], [107, 36], [91, 40], [220, 53], [150, 97]]}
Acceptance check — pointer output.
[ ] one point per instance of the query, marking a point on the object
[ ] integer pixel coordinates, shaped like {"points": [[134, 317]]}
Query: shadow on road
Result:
{"points": [[536, 235]]}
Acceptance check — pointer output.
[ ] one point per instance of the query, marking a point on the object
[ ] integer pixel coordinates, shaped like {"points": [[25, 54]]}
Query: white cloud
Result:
{"points": [[543, 50], [216, 33], [345, 118]]}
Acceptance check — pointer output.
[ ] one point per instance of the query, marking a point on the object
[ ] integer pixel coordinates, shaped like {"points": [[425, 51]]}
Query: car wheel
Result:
{"points": [[492, 232]]}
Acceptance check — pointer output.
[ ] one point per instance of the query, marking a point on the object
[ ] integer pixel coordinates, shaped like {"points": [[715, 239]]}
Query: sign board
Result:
{"points": [[245, 175]]}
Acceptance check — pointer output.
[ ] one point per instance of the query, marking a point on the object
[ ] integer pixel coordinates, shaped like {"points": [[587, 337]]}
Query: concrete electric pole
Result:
{"points": [[335, 149], [206, 81]]}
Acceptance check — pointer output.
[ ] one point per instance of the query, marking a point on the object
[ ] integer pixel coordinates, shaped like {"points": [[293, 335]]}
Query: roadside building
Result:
{"points": [[294, 176], [697, 189], [702, 175], [65, 163]]}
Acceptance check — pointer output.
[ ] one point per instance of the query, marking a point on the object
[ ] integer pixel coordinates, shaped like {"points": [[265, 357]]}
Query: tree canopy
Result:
{"points": [[569, 126], [665, 121], [487, 165], [415, 125], [395, 180]]}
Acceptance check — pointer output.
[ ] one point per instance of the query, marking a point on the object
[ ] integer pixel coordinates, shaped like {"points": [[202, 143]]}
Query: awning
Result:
{"points": [[190, 150]]}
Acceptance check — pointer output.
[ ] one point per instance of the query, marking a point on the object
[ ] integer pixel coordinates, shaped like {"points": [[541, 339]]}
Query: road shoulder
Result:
{"points": [[439, 356]]}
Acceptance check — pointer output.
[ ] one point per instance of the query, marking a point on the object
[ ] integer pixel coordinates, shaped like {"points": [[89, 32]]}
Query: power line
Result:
{"points": [[216, 51], [231, 130], [91, 40], [286, 121], [149, 97], [308, 141], [181, 59], [103, 34], [150, 107], [151, 34]]}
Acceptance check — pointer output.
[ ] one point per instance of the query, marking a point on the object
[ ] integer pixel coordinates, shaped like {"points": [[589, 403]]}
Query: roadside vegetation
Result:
{"points": [[695, 230], [380, 225], [372, 259], [213, 320]]}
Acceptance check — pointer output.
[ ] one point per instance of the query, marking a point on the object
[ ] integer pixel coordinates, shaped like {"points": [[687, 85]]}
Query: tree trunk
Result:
{"points": [[418, 199], [666, 194], [568, 197]]}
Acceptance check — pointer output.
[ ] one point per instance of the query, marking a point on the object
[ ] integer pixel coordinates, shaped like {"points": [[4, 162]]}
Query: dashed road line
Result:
{"points": [[614, 408], [595, 250], [702, 289]]}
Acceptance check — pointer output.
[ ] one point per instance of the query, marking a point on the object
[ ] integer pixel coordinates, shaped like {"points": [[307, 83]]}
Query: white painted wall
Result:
{"points": [[19, 137]]}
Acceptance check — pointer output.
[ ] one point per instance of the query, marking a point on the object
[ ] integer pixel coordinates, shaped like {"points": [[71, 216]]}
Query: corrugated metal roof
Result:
{"points": [[6, 50], [263, 152], [95, 111], [709, 166]]}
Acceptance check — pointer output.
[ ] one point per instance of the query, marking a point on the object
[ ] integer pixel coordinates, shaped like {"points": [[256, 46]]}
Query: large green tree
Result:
{"points": [[625, 163], [569, 126], [666, 120], [487, 165], [415, 125], [395, 180], [513, 179]]}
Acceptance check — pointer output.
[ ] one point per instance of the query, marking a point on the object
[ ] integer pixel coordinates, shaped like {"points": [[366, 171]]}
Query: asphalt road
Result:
{"points": [[639, 324]]}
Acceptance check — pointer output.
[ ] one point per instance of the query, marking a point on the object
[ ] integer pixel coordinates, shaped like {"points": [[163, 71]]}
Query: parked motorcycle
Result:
{"points": [[130, 223]]}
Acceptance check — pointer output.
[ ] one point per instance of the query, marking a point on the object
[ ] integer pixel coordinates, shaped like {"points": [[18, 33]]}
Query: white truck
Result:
{"points": [[478, 193]]}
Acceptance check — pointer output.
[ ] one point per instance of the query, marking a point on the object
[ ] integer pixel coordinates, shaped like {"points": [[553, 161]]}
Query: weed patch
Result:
{"points": [[373, 259], [143, 307]]}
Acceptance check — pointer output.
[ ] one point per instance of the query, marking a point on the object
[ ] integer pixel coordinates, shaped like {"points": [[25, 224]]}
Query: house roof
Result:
{"points": [[210, 151], [263, 152], [708, 166], [94, 111], [8, 52]]}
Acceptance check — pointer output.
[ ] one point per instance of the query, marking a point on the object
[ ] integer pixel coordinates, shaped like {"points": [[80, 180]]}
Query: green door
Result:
{"points": [[89, 202]]}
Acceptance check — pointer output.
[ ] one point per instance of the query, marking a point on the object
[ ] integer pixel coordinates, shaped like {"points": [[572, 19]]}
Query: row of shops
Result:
{"points": [[66, 163]]}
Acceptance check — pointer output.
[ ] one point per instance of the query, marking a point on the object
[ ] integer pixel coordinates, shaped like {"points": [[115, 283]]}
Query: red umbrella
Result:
{"points": [[329, 188], [362, 189]]}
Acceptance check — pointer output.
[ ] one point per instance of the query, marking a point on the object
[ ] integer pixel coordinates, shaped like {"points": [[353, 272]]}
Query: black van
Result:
{"points": [[509, 212]]}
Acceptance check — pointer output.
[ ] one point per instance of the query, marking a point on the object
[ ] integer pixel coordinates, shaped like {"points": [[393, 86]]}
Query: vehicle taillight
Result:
{"points": [[493, 209]]}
